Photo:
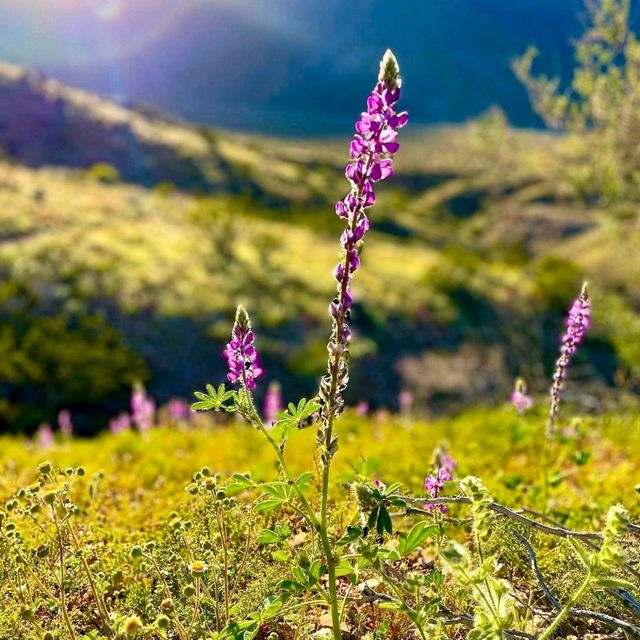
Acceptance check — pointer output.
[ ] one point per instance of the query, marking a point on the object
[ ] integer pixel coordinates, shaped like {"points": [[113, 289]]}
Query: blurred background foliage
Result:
{"points": [[127, 238]]}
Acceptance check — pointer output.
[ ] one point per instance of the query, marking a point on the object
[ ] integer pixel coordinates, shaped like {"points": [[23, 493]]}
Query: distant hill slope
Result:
{"points": [[477, 247], [294, 67], [43, 122]]}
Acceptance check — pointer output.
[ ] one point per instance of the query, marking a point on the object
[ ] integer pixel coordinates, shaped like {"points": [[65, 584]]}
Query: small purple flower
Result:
{"points": [[241, 355], [578, 321], [143, 409], [434, 484], [521, 401], [120, 423], [44, 436], [178, 409], [519, 398], [380, 486], [65, 424], [272, 403]]}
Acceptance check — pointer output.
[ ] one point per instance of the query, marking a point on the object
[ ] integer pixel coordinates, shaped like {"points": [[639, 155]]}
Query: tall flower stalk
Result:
{"points": [[578, 321], [371, 154]]}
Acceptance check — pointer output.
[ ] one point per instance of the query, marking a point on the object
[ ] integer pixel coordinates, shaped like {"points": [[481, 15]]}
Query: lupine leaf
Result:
{"points": [[213, 399], [409, 542], [239, 483], [305, 480], [613, 583], [384, 521], [268, 505], [268, 536]]}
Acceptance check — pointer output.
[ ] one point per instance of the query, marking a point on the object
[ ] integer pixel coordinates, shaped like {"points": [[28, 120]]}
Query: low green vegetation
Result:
{"points": [[131, 513]]}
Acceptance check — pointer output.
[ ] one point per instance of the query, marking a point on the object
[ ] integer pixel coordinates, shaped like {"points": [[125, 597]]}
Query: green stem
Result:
{"points": [[567, 608], [26, 564], [319, 525], [63, 596], [331, 563], [102, 609], [301, 605], [225, 561]]}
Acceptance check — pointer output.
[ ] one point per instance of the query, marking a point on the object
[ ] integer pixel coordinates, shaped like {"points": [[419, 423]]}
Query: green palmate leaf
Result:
{"points": [[392, 488], [280, 490], [279, 534], [213, 399], [291, 585], [344, 568], [409, 542], [613, 583], [353, 533], [281, 556], [299, 575], [239, 483], [316, 570], [268, 505], [384, 521], [270, 607], [294, 417], [373, 518], [392, 605], [267, 536], [245, 630], [305, 480]]}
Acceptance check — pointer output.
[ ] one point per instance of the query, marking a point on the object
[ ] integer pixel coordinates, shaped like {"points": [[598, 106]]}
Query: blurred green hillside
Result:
{"points": [[125, 261]]}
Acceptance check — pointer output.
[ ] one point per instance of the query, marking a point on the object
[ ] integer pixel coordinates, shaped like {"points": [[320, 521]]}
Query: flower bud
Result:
{"points": [[167, 605], [132, 626], [189, 591], [136, 552], [44, 467]]}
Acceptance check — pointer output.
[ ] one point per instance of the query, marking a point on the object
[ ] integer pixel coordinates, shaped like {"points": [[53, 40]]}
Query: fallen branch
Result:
{"points": [[536, 570]]}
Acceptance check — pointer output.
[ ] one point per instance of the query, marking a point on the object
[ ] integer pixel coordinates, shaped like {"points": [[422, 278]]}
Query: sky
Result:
{"points": [[297, 65]]}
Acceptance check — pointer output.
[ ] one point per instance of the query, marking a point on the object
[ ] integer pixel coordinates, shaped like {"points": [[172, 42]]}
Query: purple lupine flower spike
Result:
{"points": [[578, 321], [120, 423], [65, 423], [272, 403], [241, 354], [143, 408], [178, 409], [371, 153], [44, 436]]}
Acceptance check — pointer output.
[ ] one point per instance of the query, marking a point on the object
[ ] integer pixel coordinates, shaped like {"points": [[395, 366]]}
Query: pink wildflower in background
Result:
{"points": [[362, 408], [405, 401], [272, 403], [120, 423], [143, 409], [44, 436], [519, 398], [178, 409], [65, 424], [445, 461]]}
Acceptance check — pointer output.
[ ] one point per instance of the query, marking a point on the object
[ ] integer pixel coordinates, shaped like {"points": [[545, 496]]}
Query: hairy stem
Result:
{"points": [[567, 608]]}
